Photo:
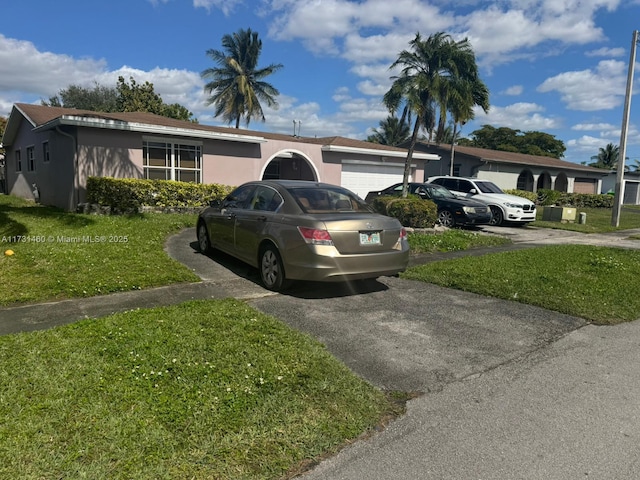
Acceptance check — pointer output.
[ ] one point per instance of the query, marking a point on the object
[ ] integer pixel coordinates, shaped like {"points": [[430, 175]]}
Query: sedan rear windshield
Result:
{"points": [[328, 200]]}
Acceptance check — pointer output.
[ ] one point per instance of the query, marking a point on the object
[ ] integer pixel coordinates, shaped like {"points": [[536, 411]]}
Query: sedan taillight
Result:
{"points": [[315, 236], [403, 233]]}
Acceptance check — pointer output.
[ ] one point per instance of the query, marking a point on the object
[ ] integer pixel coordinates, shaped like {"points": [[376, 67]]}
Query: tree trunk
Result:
{"points": [[453, 143], [407, 163]]}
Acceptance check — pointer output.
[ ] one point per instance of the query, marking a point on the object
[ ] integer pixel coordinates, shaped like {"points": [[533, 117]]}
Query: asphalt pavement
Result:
{"points": [[505, 390]]}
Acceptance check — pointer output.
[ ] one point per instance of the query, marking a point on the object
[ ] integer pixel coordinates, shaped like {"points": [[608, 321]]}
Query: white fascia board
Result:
{"points": [[147, 128], [382, 153], [373, 162]]}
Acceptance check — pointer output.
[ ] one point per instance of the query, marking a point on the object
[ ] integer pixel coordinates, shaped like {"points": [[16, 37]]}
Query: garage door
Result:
{"points": [[584, 185], [362, 178]]}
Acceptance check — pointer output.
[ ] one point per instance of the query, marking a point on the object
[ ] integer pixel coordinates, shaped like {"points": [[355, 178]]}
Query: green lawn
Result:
{"points": [[205, 389], [598, 220], [599, 284], [62, 255]]}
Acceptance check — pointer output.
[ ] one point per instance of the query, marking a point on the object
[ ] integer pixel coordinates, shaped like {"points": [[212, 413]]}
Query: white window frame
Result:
{"points": [[172, 168]]}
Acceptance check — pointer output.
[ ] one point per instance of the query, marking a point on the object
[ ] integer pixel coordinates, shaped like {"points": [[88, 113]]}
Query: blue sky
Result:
{"points": [[557, 66]]}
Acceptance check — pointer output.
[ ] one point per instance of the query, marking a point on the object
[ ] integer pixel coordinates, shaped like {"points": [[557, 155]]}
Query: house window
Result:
{"points": [[31, 159], [18, 161], [172, 161], [45, 152]]}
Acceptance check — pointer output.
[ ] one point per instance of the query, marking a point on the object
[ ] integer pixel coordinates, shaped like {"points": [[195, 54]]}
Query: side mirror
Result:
{"points": [[473, 191], [215, 203]]}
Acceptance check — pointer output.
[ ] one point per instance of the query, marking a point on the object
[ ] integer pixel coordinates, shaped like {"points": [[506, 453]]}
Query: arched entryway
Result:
{"points": [[544, 181], [289, 165], [562, 184], [525, 181]]}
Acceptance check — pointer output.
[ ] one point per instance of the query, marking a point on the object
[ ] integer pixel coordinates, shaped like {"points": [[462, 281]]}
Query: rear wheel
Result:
{"points": [[446, 219], [497, 218], [204, 244], [271, 269]]}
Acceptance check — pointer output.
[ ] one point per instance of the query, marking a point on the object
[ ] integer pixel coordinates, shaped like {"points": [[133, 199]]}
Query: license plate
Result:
{"points": [[369, 238]]}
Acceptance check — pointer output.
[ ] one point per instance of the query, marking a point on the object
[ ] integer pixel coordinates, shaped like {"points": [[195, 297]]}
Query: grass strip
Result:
{"points": [[599, 284], [205, 389]]}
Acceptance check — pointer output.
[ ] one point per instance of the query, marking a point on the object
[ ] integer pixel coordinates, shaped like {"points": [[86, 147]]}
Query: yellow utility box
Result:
{"points": [[559, 214]]}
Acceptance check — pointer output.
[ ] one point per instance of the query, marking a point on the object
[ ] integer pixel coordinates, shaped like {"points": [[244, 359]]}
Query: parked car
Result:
{"points": [[299, 230], [452, 210], [504, 207]]}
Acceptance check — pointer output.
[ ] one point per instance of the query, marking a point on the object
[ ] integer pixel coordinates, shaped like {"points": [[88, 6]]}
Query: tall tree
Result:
{"points": [[424, 70], [236, 85], [509, 140], [607, 157], [97, 99], [124, 97], [391, 131]]}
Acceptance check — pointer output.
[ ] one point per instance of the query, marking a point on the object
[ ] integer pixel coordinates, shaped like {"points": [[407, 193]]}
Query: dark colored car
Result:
{"points": [[299, 230], [452, 210]]}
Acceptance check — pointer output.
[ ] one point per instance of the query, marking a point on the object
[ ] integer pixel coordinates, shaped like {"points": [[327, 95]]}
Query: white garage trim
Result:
{"points": [[363, 177]]}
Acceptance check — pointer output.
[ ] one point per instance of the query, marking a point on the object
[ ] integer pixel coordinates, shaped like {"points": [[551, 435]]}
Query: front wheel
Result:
{"points": [[272, 270], [496, 216], [446, 219], [204, 244]]}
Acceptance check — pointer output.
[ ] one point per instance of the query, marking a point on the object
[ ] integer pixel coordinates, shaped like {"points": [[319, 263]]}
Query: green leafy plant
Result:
{"points": [[129, 195], [411, 211]]}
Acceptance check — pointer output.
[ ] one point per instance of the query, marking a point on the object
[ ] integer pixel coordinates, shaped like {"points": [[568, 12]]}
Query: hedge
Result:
{"points": [[412, 211], [547, 197], [126, 195]]}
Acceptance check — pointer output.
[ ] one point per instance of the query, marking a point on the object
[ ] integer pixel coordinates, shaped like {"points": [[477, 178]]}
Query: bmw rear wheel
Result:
{"points": [[446, 219], [271, 269]]}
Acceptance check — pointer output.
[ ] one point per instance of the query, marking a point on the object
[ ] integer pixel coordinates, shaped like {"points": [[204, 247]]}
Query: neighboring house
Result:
{"points": [[51, 152], [630, 185], [511, 170]]}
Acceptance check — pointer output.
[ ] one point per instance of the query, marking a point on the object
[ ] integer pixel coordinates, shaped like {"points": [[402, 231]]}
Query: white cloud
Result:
{"points": [[24, 68], [606, 52], [225, 6], [514, 90], [588, 90], [519, 116], [593, 126]]}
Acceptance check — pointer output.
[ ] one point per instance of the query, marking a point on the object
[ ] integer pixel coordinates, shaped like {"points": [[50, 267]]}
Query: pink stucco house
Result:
{"points": [[50, 153]]}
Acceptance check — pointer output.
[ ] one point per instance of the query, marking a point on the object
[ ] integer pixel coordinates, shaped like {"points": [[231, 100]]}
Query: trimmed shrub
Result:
{"points": [[412, 211], [532, 196], [130, 195], [546, 196], [579, 200]]}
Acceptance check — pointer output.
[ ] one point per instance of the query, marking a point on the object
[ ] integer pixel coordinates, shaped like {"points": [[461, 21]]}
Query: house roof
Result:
{"points": [[44, 117], [497, 156]]}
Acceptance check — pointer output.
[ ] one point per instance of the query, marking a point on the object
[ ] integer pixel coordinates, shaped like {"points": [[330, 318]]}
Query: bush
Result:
{"points": [[579, 200], [411, 211], [532, 196], [547, 197], [130, 195]]}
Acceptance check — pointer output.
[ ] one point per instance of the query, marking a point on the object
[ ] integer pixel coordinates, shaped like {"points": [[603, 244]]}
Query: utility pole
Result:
{"points": [[622, 150]]}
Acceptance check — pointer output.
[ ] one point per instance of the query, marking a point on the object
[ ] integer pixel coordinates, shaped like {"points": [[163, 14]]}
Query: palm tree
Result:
{"points": [[392, 131], [237, 87], [425, 70], [607, 157]]}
